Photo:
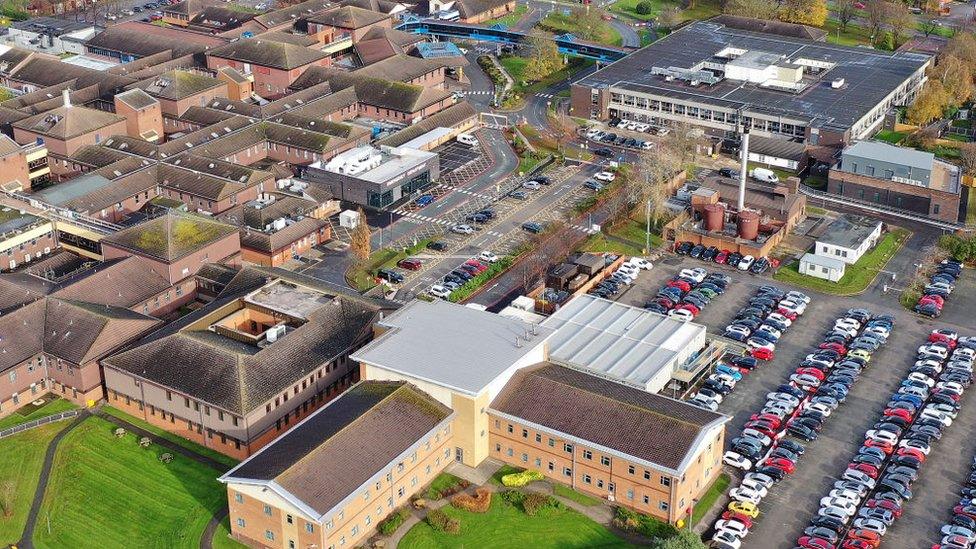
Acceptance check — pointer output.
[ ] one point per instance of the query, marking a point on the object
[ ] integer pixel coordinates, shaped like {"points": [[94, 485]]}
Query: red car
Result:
{"points": [[769, 418], [936, 337], [914, 452], [898, 412], [868, 536], [781, 463], [763, 428], [481, 267], [939, 301], [815, 372], [856, 544], [885, 447], [410, 264], [761, 353], [810, 542], [964, 510], [680, 284], [834, 346], [722, 258], [732, 515], [788, 314], [866, 468], [885, 504], [690, 308]]}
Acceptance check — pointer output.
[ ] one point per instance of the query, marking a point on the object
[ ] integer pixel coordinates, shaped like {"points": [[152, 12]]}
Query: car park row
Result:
{"points": [[940, 285], [625, 275], [764, 319], [611, 138], [723, 257], [687, 293], [766, 448], [872, 491], [959, 532]]}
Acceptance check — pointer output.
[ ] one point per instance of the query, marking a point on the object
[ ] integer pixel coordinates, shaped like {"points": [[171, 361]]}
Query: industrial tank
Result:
{"points": [[748, 225]]}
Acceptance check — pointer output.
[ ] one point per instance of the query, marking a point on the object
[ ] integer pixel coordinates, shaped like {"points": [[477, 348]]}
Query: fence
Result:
{"points": [[37, 423], [877, 208]]}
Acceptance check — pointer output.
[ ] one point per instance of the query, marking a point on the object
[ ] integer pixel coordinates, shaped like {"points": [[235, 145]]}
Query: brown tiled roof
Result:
{"points": [[398, 37], [93, 192], [234, 74], [637, 423], [452, 116], [292, 13], [18, 289], [131, 145], [328, 104], [142, 39], [348, 17], [472, 8], [9, 146], [124, 167], [37, 96], [142, 63], [231, 106], [374, 91], [68, 122], [219, 17], [208, 178], [303, 40], [225, 129], [266, 53], [120, 283], [203, 116], [383, 6], [71, 330], [296, 99], [237, 376], [401, 68], [344, 444], [171, 236], [278, 240], [336, 129], [178, 84], [188, 7]]}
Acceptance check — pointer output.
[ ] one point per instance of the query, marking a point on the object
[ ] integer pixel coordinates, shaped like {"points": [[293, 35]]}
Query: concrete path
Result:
{"points": [[206, 540], [26, 539]]}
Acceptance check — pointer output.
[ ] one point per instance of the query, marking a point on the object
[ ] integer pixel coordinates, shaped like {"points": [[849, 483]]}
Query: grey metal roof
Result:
{"points": [[849, 230], [822, 260], [884, 152], [869, 75], [59, 195], [450, 345], [619, 341]]}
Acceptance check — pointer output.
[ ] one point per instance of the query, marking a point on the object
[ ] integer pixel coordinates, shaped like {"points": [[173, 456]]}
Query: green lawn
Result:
{"points": [[559, 23], [781, 173], [856, 277], [110, 492], [851, 36], [510, 19], [363, 278], [222, 539], [629, 8], [818, 182], [971, 207], [890, 136], [814, 210], [711, 496], [505, 526], [502, 471], [188, 444], [631, 231], [442, 483], [30, 412], [21, 457], [573, 495]]}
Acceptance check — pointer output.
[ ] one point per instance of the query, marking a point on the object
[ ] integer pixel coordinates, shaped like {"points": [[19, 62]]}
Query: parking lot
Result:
{"points": [[453, 155], [790, 505]]}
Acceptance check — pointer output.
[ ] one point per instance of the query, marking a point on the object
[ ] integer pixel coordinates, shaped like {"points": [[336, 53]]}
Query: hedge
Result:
{"points": [[625, 519], [521, 479], [535, 502], [390, 524], [513, 497], [440, 522], [478, 503]]}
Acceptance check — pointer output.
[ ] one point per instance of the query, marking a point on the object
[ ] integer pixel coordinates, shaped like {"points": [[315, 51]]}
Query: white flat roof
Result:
{"points": [[616, 340], [423, 139]]}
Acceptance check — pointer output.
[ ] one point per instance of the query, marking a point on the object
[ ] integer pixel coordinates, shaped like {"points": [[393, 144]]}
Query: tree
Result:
{"points": [[685, 539], [967, 158], [928, 26], [756, 9], [929, 105], [644, 7], [565, 129], [846, 12], [544, 59], [876, 12], [804, 12], [900, 21], [360, 242], [669, 17], [655, 169], [956, 77], [590, 24]]}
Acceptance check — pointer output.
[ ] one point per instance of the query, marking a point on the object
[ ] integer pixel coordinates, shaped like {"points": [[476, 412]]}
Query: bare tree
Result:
{"points": [[846, 12], [900, 21], [655, 170], [967, 158], [360, 243], [876, 12], [564, 128]]}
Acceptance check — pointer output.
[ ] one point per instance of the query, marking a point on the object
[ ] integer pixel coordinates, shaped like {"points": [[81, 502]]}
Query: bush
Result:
{"points": [[513, 497], [644, 8], [521, 479], [535, 502], [392, 522], [439, 521], [625, 519], [478, 503]]}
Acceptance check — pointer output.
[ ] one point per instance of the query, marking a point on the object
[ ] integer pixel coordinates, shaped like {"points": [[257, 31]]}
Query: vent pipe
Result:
{"points": [[743, 168]]}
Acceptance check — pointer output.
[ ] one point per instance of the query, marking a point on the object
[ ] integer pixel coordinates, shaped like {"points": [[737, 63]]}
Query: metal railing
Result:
{"points": [[877, 208], [37, 423]]}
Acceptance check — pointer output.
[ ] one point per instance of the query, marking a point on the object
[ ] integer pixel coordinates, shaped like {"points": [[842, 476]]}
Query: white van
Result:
{"points": [[467, 139], [764, 175]]}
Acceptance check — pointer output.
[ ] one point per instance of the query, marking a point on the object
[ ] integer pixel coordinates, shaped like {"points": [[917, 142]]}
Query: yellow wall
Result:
{"points": [[471, 427]]}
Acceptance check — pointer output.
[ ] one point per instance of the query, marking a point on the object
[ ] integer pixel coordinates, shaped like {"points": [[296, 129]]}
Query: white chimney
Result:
{"points": [[66, 94], [743, 167]]}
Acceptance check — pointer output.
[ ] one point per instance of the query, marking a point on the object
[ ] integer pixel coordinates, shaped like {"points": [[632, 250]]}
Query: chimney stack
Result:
{"points": [[66, 94], [744, 167]]}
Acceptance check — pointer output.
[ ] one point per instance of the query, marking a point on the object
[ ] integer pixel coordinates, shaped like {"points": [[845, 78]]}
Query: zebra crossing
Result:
{"points": [[421, 218], [477, 92], [546, 95], [584, 229]]}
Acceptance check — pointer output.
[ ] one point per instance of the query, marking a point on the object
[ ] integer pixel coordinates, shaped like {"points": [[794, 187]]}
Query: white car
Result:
{"points": [[871, 524], [879, 331], [964, 352], [782, 397], [834, 512], [746, 262], [944, 419], [709, 405], [820, 408], [727, 540], [717, 399], [929, 363], [922, 378], [847, 324], [804, 381], [746, 495], [738, 329], [697, 274], [640, 263], [488, 256], [944, 408], [592, 132], [798, 296], [532, 185], [798, 307], [767, 328], [754, 343], [780, 318], [759, 486], [844, 493], [848, 506], [628, 268], [462, 229], [881, 436], [937, 350], [439, 291], [951, 386], [917, 444], [752, 433], [735, 527], [605, 176], [736, 460], [683, 315]]}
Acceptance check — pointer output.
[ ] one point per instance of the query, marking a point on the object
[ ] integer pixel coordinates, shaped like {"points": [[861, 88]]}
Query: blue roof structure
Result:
{"points": [[433, 50]]}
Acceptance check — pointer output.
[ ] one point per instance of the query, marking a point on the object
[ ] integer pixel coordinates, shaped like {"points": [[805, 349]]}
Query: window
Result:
{"points": [[599, 483], [567, 471], [240, 522], [630, 494], [269, 535], [663, 505], [538, 438], [328, 525], [525, 433], [525, 457], [538, 462], [630, 469], [587, 454], [267, 510], [647, 475], [605, 460], [511, 429], [290, 519], [935, 209], [568, 448], [510, 452], [309, 527], [238, 498], [355, 530], [552, 443], [647, 500], [665, 481], [612, 487]]}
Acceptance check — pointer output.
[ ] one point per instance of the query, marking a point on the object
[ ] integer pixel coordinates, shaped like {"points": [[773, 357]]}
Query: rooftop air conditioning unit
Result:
{"points": [[837, 83], [274, 333]]}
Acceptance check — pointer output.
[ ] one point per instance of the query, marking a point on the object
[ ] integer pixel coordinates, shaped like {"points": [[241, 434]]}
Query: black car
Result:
{"points": [[792, 446], [717, 386], [697, 251], [964, 521], [729, 172], [477, 218], [544, 179], [746, 362], [463, 275], [436, 246], [760, 266], [907, 461], [802, 432], [784, 453], [869, 459], [822, 532], [828, 522], [490, 213], [683, 248], [532, 227], [774, 473], [656, 308], [603, 151], [734, 259], [709, 254], [390, 276]]}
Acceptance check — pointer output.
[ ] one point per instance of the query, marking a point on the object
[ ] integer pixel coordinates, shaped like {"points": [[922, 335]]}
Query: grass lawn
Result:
{"points": [[631, 231], [30, 413], [701, 10], [851, 36], [781, 173], [188, 444], [817, 182], [510, 19], [891, 136], [502, 471], [442, 483], [970, 207], [573, 495], [558, 23], [505, 526], [856, 277], [21, 457], [600, 243], [110, 492], [711, 495], [814, 210], [222, 539], [363, 278]]}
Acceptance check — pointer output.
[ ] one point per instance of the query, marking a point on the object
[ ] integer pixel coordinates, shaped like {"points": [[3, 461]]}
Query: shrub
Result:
{"points": [[625, 519], [439, 521], [535, 502], [645, 7], [392, 522], [478, 503], [521, 479], [513, 497]]}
